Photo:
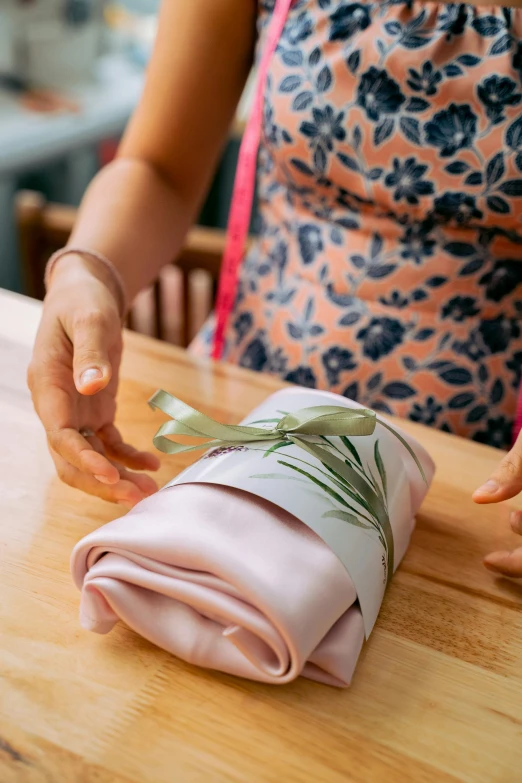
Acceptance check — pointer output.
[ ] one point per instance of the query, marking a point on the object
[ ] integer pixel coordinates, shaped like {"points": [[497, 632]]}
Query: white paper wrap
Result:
{"points": [[300, 484]]}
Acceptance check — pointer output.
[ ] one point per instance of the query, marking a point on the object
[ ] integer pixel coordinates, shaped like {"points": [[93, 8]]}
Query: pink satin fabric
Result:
{"points": [[227, 581]]}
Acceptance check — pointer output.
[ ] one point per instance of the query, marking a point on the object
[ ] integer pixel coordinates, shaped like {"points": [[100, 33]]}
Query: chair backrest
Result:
{"points": [[45, 227]]}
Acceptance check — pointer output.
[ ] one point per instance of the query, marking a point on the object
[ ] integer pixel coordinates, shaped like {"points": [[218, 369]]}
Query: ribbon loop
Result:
{"points": [[329, 420]]}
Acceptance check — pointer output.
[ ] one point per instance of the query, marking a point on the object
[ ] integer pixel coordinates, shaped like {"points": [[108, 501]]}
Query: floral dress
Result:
{"points": [[388, 266]]}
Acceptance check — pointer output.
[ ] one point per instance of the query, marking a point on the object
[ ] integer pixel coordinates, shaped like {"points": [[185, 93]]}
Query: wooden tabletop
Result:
{"points": [[437, 695]]}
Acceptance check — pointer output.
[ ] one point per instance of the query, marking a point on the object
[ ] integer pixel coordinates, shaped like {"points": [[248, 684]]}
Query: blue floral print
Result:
{"points": [[348, 20], [460, 307], [302, 376], [426, 80], [299, 30], [460, 208], [502, 280], [417, 243], [515, 366], [415, 251], [426, 413], [454, 19], [325, 129], [310, 242], [497, 432], [407, 181], [453, 129], [496, 93], [497, 333], [517, 60], [380, 337], [337, 360], [255, 356], [378, 94]]}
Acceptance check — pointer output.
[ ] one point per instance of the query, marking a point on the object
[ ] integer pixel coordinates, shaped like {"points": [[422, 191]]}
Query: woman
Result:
{"points": [[389, 263]]}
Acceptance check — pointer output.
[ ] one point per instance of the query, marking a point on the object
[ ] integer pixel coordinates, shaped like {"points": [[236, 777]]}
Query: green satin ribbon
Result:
{"points": [[321, 420], [296, 428]]}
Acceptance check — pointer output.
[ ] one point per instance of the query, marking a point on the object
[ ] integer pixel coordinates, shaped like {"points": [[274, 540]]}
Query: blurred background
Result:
{"points": [[71, 72]]}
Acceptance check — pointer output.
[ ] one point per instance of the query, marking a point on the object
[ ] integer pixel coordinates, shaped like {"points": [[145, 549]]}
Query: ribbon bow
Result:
{"points": [[321, 420]]}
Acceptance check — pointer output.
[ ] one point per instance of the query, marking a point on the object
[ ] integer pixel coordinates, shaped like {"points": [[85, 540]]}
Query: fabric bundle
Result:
{"points": [[227, 580]]}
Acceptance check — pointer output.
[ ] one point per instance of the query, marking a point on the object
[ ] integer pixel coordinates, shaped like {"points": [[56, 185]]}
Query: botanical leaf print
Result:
{"points": [[388, 265]]}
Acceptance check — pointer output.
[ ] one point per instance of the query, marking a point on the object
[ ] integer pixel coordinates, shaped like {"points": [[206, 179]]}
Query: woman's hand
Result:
{"points": [[136, 212], [505, 483], [73, 378]]}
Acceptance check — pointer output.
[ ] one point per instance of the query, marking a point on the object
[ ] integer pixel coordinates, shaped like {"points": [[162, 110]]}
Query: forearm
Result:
{"points": [[136, 218], [138, 209]]}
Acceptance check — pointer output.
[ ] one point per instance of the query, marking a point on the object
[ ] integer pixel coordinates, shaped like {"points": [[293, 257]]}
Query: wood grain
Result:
{"points": [[438, 692]]}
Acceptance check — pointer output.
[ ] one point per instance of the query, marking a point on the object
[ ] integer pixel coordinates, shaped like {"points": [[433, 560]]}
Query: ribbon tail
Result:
{"points": [[407, 447], [167, 446]]}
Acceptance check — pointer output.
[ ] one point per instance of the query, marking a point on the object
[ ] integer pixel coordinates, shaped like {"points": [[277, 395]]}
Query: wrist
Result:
{"points": [[76, 267]]}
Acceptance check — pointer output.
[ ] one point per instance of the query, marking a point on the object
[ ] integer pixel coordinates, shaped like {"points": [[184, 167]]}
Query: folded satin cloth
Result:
{"points": [[227, 580]]}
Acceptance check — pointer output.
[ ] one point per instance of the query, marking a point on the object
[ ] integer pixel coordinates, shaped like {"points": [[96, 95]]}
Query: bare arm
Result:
{"points": [[136, 213], [139, 208]]}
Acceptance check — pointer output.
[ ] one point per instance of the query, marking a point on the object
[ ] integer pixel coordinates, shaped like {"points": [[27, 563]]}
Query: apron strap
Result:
{"points": [[518, 420]]}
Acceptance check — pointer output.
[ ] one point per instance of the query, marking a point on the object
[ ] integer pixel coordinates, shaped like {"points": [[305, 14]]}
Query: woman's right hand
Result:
{"points": [[73, 378]]}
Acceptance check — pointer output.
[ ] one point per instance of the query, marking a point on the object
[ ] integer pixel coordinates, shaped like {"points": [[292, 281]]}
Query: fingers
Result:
{"points": [[506, 563], [506, 481], [71, 355], [84, 454], [144, 483], [55, 409], [129, 490], [94, 460], [122, 452], [88, 455], [91, 364], [515, 521]]}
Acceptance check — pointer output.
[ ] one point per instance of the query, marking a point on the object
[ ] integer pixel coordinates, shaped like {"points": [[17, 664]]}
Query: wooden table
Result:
{"points": [[437, 695]]}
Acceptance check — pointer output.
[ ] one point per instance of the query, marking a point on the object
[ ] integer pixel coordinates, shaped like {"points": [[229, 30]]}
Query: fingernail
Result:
{"points": [[103, 479], [90, 375], [489, 487], [495, 559]]}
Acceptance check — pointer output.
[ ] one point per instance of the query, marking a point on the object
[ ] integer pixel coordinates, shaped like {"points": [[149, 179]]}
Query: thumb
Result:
{"points": [[506, 481], [91, 363]]}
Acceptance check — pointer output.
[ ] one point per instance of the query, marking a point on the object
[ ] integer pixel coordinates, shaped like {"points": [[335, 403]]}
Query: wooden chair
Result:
{"points": [[45, 227]]}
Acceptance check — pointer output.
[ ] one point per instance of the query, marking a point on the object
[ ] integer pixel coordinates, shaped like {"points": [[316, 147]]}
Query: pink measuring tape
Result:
{"points": [[244, 186], [518, 420], [243, 195]]}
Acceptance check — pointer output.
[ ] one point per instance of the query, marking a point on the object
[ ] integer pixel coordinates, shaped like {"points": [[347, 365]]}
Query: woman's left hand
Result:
{"points": [[505, 483]]}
